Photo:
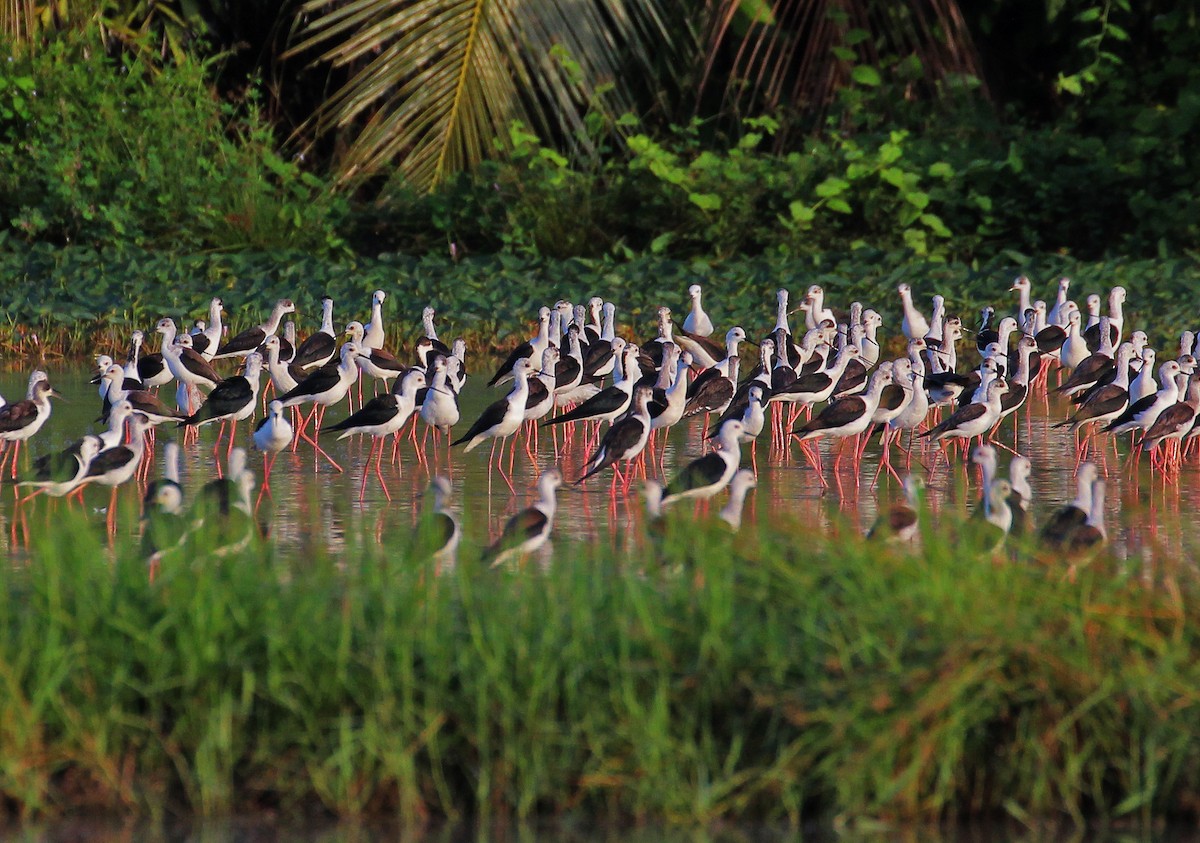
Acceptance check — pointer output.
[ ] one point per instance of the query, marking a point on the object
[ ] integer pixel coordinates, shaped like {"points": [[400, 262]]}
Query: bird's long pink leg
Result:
{"points": [[321, 451], [379, 472]]}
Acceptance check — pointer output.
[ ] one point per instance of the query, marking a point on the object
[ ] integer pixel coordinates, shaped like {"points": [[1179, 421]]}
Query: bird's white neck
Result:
{"points": [[253, 371], [1083, 493], [667, 372], [987, 472], [1025, 353], [542, 338], [731, 513], [607, 331], [1123, 357], [1106, 343], [438, 384], [272, 324], [937, 320], [1169, 389], [680, 384], [372, 335], [1023, 302], [1096, 511], [547, 498], [731, 345], [730, 444], [812, 316], [520, 388]]}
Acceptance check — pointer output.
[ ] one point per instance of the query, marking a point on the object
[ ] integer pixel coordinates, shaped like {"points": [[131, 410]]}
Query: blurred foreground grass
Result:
{"points": [[775, 675]]}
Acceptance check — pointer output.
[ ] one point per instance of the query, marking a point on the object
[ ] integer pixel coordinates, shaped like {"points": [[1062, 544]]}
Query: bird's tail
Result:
{"points": [[562, 418]]}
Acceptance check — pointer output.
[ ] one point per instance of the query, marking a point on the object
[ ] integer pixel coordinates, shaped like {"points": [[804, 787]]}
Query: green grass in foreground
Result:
{"points": [[768, 677]]}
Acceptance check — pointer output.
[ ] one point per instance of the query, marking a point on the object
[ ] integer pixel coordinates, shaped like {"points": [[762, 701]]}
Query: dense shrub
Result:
{"points": [[98, 151], [960, 188]]}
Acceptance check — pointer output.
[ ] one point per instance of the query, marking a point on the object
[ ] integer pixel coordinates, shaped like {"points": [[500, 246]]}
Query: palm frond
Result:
{"points": [[18, 20], [435, 83]]}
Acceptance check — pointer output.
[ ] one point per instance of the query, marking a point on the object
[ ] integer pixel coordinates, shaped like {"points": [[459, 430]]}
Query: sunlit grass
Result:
{"points": [[772, 676]]}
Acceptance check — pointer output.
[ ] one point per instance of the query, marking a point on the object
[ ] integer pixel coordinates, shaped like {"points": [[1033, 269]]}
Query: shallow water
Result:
{"points": [[314, 504]]}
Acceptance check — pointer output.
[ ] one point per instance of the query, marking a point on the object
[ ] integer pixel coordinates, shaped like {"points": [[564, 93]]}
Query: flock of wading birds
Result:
{"points": [[575, 370]]}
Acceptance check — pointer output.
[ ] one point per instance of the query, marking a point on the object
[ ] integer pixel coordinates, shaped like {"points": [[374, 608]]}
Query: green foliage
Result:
{"points": [[702, 680], [720, 200], [1096, 45], [884, 190], [97, 152], [486, 297], [109, 153]]}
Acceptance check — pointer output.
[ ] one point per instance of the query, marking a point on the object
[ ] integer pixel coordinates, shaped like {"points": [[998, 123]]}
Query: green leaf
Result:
{"points": [[1069, 84], [556, 158], [941, 170], [756, 11], [519, 136], [839, 205], [832, 186], [660, 243], [890, 153], [934, 223], [1014, 161], [915, 239], [668, 173], [801, 212], [866, 75], [917, 199], [750, 140], [843, 53], [857, 170], [894, 177], [705, 201]]}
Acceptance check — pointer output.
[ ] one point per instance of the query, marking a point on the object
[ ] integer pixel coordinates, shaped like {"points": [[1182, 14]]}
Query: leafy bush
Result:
{"points": [[962, 189], [96, 152]]}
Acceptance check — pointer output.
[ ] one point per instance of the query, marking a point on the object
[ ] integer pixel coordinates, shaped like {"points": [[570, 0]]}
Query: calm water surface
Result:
{"points": [[313, 504]]}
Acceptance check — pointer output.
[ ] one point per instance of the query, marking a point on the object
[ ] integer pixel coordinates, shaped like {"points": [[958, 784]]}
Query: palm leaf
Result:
{"points": [[18, 20], [434, 84]]}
